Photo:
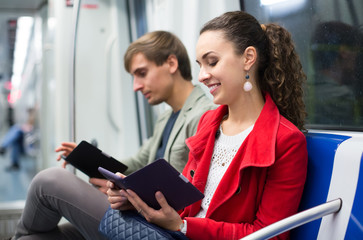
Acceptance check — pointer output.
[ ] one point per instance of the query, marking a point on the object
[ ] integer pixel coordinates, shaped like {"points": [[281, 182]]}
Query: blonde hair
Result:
{"points": [[157, 46]]}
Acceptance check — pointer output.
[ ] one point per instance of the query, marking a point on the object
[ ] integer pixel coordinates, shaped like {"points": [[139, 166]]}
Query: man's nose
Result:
{"points": [[137, 85]]}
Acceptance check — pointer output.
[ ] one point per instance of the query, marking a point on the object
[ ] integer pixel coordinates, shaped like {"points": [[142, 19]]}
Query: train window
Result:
{"points": [[328, 38]]}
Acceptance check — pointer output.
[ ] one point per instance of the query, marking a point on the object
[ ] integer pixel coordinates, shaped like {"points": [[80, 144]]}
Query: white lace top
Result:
{"points": [[225, 148]]}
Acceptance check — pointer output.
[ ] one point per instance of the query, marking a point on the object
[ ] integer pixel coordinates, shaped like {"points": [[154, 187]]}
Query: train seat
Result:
{"points": [[334, 171], [321, 153]]}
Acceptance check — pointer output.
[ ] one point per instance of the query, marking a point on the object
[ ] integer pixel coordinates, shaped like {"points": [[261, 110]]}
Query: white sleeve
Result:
{"points": [[183, 228]]}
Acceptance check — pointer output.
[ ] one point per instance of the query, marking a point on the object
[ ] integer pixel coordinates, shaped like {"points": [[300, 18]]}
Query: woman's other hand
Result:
{"points": [[165, 217], [118, 197]]}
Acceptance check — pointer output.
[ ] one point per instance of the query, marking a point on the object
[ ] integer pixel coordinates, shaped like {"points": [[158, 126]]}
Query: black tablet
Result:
{"points": [[87, 158]]}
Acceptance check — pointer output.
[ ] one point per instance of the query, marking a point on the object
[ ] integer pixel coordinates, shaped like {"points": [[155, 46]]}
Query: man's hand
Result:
{"points": [[99, 183], [65, 149]]}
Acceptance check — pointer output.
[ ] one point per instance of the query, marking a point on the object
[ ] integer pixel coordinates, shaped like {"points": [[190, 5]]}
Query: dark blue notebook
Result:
{"points": [[87, 158], [158, 176]]}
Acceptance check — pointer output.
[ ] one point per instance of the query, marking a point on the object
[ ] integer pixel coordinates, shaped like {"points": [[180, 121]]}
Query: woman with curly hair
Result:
{"points": [[249, 156]]}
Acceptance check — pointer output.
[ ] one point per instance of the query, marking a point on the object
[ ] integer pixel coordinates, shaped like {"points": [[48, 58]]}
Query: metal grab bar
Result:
{"points": [[72, 77], [296, 220]]}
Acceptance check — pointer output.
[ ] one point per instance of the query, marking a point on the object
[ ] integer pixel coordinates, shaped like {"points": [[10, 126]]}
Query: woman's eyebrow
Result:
{"points": [[205, 55]]}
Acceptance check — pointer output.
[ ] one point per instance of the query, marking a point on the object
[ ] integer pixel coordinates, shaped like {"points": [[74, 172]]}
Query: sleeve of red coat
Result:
{"points": [[281, 196]]}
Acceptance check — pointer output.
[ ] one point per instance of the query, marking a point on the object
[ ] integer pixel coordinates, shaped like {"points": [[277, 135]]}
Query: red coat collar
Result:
{"points": [[260, 144]]}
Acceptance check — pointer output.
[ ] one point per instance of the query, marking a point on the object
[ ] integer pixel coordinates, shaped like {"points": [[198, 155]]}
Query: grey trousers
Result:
{"points": [[55, 193]]}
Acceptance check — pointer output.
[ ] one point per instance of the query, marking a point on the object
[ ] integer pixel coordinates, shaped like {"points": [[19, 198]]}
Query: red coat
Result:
{"points": [[263, 183]]}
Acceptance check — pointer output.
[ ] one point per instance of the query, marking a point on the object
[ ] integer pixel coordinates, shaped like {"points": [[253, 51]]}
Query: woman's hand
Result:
{"points": [[66, 148], [165, 217], [118, 197]]}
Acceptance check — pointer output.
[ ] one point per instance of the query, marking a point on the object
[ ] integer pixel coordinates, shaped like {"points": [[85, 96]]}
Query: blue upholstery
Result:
{"points": [[321, 153]]}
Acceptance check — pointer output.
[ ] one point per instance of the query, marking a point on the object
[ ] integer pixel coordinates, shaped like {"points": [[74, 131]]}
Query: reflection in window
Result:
{"points": [[328, 38], [335, 87]]}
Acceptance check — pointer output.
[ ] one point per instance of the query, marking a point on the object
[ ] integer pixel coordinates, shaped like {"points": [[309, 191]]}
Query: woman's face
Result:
{"points": [[221, 70]]}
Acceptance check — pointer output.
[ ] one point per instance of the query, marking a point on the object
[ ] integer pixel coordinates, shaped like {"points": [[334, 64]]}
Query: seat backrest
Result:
{"points": [[321, 153]]}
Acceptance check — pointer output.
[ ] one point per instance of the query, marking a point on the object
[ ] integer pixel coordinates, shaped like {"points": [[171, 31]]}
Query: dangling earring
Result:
{"points": [[247, 86]]}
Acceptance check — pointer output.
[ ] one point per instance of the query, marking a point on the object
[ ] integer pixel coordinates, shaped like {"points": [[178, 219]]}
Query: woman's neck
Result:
{"points": [[243, 114]]}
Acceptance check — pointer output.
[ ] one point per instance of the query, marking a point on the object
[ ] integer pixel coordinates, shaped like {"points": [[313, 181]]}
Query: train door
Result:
{"points": [[105, 110]]}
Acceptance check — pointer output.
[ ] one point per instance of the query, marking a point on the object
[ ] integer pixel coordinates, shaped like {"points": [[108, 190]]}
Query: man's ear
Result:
{"points": [[250, 55], [173, 63]]}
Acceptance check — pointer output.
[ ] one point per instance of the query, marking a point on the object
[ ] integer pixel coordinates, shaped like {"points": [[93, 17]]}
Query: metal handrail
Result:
{"points": [[72, 77], [296, 220]]}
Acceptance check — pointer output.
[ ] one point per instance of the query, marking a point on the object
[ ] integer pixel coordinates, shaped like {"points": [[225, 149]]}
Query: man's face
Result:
{"points": [[154, 82]]}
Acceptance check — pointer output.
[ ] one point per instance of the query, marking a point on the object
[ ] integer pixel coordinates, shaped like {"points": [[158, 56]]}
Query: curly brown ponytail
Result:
{"points": [[279, 68], [283, 77]]}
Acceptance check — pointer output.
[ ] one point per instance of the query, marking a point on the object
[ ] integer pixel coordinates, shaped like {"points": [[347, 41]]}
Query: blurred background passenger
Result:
{"points": [[19, 139]]}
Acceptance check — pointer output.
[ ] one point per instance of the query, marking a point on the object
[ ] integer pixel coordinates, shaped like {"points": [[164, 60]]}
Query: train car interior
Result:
{"points": [[62, 75]]}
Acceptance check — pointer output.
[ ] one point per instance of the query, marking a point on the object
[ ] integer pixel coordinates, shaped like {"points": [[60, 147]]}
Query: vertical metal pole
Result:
{"points": [[72, 82], [138, 27]]}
